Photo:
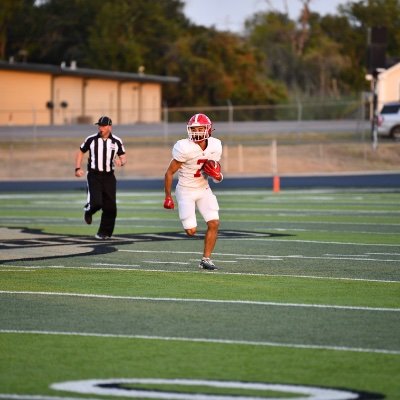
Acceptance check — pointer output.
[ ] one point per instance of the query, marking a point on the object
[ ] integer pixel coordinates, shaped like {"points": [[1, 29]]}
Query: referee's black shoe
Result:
{"points": [[88, 217], [100, 236]]}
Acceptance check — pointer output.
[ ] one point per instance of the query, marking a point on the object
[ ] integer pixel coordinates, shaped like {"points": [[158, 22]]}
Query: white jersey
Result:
{"points": [[193, 157]]}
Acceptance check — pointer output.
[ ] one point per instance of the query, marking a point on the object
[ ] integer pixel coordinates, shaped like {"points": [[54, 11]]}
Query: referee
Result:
{"points": [[105, 152]]}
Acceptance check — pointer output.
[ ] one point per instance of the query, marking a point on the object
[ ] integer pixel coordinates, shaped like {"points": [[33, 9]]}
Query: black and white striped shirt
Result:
{"points": [[102, 152]]}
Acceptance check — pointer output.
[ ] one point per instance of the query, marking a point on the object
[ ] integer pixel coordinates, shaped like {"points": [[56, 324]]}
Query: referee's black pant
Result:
{"points": [[102, 193]]}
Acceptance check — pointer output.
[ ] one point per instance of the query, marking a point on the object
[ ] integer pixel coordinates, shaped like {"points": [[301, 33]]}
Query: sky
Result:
{"points": [[231, 14]]}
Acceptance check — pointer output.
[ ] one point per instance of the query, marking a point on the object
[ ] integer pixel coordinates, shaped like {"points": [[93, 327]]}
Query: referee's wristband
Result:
{"points": [[77, 169]]}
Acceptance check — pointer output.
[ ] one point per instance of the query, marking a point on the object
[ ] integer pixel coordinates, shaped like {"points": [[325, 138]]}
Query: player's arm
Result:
{"points": [[78, 162], [120, 160], [173, 167]]}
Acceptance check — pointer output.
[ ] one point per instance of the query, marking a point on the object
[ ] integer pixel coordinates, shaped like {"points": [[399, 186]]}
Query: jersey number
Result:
{"points": [[201, 162]]}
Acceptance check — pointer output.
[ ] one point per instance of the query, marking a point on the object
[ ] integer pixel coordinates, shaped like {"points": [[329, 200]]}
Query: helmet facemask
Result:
{"points": [[199, 133], [199, 128]]}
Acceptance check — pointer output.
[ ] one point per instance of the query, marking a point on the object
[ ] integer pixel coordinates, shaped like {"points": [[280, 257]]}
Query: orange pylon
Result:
{"points": [[276, 186]]}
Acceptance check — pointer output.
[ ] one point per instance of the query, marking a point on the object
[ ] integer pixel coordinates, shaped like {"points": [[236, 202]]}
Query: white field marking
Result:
{"points": [[315, 277], [308, 211], [218, 261], [117, 267], [329, 231], [73, 196], [291, 230], [13, 270], [19, 219], [184, 300], [164, 251], [157, 236], [315, 222], [269, 239], [34, 266], [260, 257], [165, 262], [305, 212], [343, 223], [385, 254], [105, 387], [264, 256], [277, 258], [363, 255], [340, 258], [40, 397], [356, 193], [204, 340], [72, 222], [347, 255]]}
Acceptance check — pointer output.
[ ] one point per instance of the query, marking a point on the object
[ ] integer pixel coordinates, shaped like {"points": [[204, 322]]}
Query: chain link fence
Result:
{"points": [[355, 109], [300, 138]]}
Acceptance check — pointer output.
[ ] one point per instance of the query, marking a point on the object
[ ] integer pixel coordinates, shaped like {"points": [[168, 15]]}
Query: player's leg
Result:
{"points": [[187, 210], [109, 213], [94, 200], [208, 208], [210, 238]]}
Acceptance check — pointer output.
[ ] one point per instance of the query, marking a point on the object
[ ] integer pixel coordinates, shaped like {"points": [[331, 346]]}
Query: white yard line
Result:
{"points": [[11, 396], [203, 340], [127, 267], [265, 257], [183, 300], [269, 239]]}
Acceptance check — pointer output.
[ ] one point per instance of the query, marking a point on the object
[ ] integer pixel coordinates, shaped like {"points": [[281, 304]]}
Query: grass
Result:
{"points": [[308, 294]]}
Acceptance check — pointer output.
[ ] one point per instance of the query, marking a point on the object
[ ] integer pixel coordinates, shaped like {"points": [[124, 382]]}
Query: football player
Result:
{"points": [[196, 158]]}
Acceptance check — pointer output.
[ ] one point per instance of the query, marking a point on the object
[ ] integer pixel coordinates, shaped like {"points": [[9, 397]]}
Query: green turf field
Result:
{"points": [[306, 304]]}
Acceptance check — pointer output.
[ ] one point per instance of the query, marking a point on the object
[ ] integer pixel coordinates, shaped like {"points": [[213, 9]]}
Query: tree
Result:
{"points": [[350, 45], [313, 55], [114, 46], [365, 14], [53, 31], [9, 12], [323, 64], [215, 67], [273, 35], [302, 55], [135, 33]]}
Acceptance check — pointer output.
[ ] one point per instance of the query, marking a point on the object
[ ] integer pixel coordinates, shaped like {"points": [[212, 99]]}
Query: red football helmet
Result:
{"points": [[199, 127]]}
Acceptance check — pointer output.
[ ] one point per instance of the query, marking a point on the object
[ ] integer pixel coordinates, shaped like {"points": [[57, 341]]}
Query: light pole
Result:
{"points": [[374, 78], [374, 127]]}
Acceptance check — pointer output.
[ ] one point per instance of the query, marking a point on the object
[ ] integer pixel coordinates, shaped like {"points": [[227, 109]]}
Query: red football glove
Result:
{"points": [[213, 169], [169, 203]]}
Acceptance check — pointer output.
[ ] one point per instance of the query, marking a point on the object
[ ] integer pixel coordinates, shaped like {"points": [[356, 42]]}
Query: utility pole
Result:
{"points": [[374, 119], [376, 63]]}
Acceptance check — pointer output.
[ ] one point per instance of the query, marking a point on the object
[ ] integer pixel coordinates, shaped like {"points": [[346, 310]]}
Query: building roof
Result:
{"points": [[73, 70], [393, 69]]}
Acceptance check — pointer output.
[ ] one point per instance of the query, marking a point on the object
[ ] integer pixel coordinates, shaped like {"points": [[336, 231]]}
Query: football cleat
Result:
{"points": [[100, 236], [207, 264]]}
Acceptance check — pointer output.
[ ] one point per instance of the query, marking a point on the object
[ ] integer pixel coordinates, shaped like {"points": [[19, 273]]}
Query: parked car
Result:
{"points": [[389, 120]]}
